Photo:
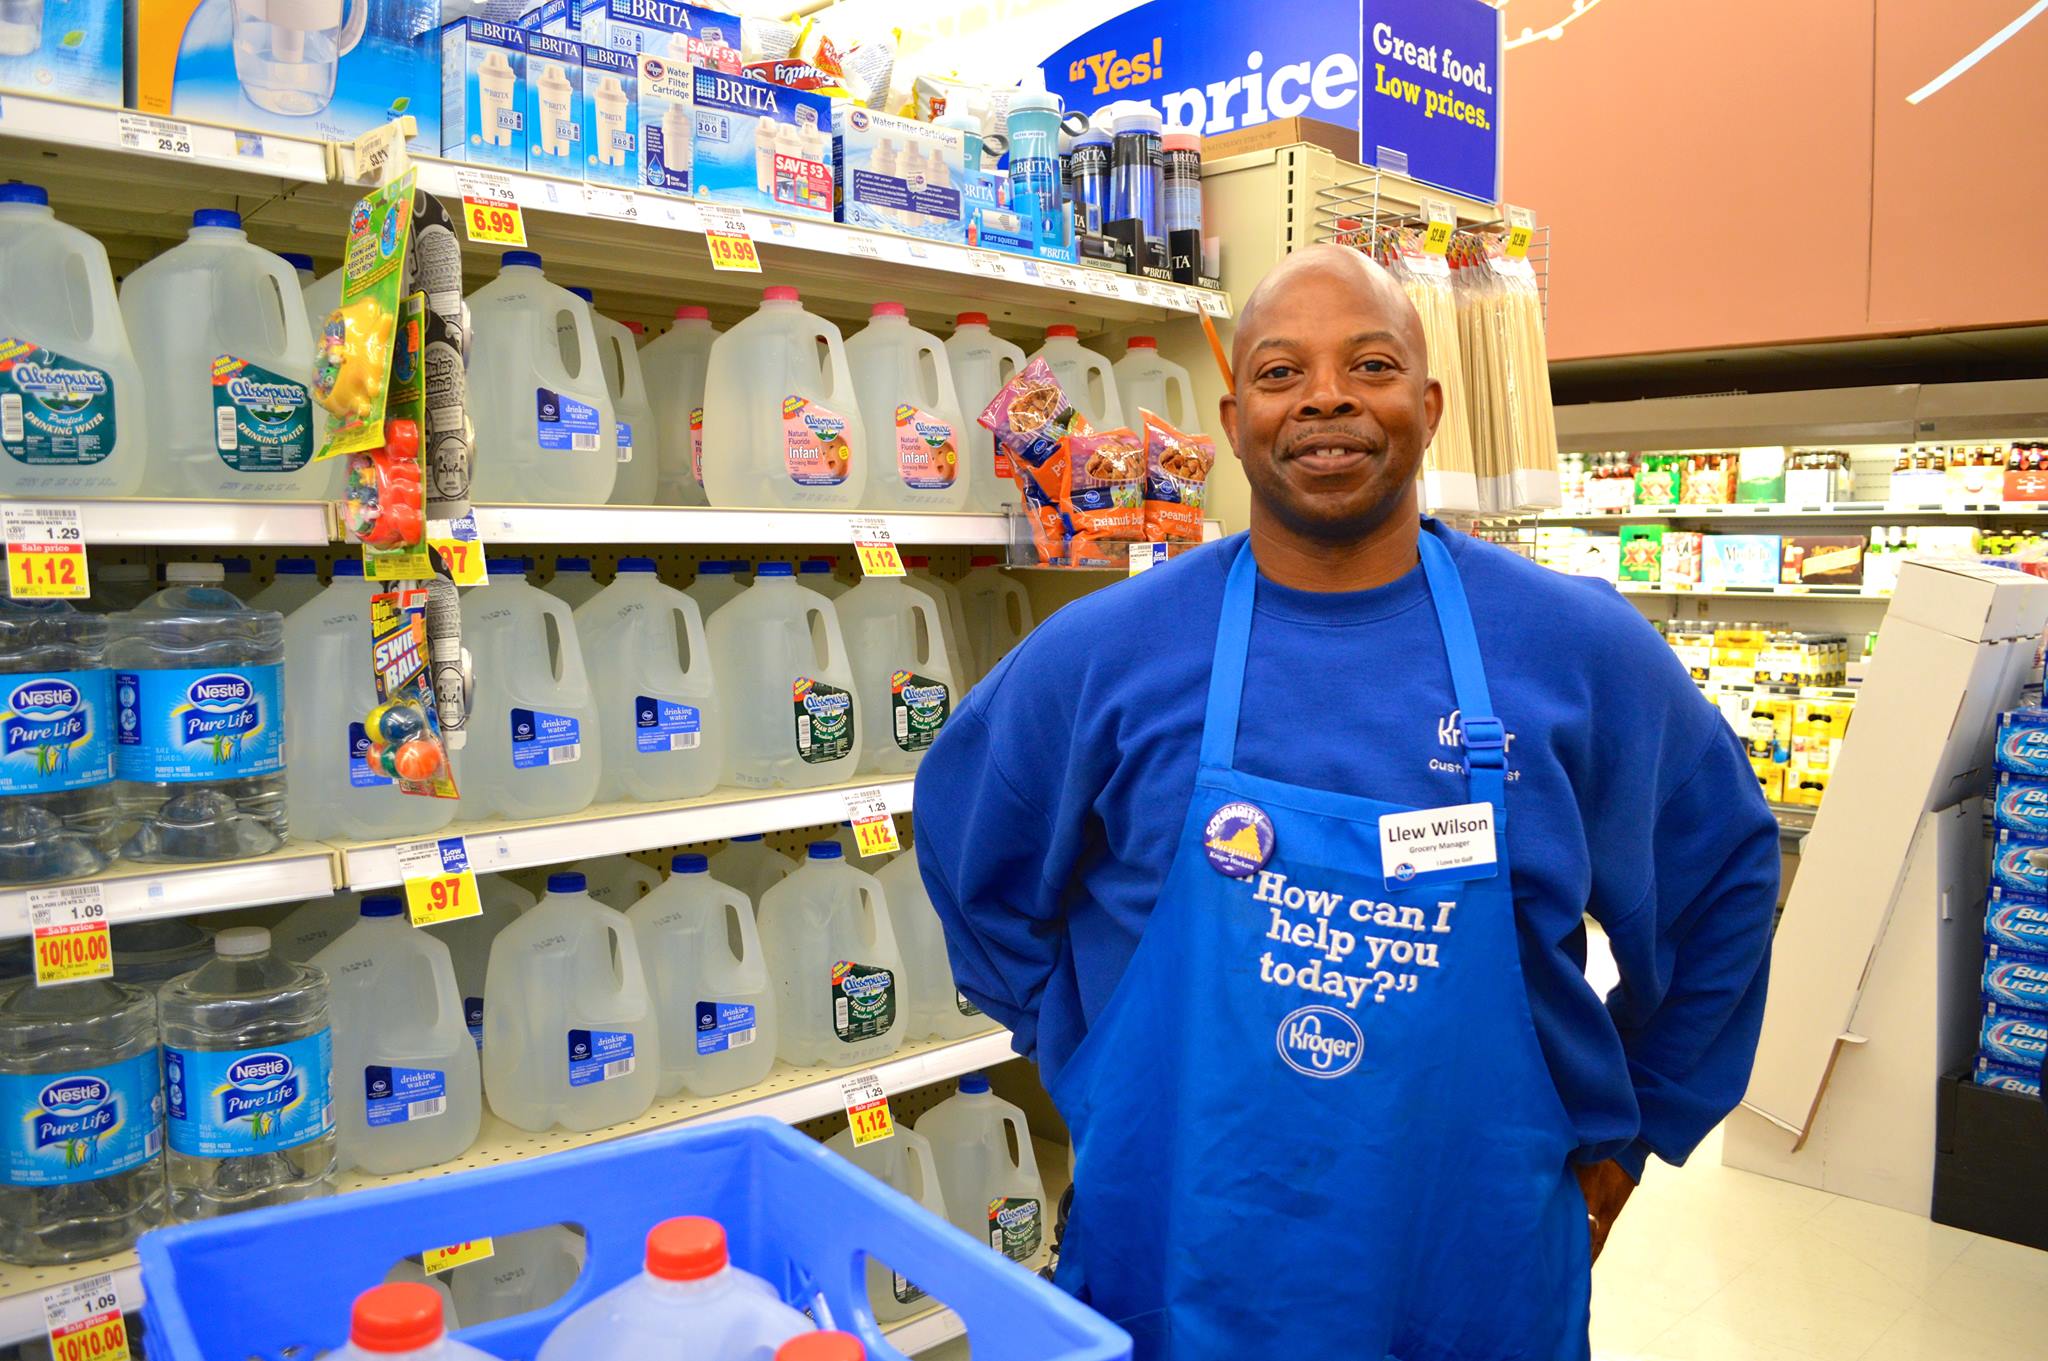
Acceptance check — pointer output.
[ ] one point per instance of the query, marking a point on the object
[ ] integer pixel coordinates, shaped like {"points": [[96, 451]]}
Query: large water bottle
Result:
{"points": [[782, 427], [702, 951], [786, 684], [982, 362], [819, 574], [916, 434], [248, 1080], [996, 607], [72, 419], [717, 581], [639, 434], [330, 685], [968, 666], [407, 1090], [220, 329], [525, 1271], [896, 635], [150, 954], [996, 1197], [938, 1010], [293, 582], [56, 742], [573, 582], [1085, 377], [199, 742], [902, 1162], [545, 426], [81, 1120], [1148, 381], [533, 748], [751, 865], [402, 1321], [689, 1294], [314, 925], [569, 1030], [645, 651], [469, 943], [617, 881], [674, 365], [832, 955]]}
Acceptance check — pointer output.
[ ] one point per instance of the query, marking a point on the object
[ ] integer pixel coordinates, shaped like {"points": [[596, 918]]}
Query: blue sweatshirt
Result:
{"points": [[1048, 810]]}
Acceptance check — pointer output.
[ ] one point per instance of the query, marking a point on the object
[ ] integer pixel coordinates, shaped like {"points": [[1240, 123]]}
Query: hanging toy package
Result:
{"points": [[405, 729]]}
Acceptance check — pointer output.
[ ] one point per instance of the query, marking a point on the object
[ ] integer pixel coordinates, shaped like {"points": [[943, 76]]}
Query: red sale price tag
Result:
{"points": [[69, 927], [83, 1320]]}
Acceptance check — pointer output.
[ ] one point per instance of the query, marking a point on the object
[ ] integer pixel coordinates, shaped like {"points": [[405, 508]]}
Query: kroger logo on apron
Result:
{"points": [[1319, 1041]]}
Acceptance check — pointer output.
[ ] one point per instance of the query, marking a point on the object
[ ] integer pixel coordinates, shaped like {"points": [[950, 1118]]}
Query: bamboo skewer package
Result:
{"points": [[1507, 372]]}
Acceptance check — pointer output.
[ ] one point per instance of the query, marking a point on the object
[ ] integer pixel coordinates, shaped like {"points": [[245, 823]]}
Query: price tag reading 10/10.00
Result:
{"points": [[69, 925], [440, 886], [83, 1320], [45, 551], [867, 1108]]}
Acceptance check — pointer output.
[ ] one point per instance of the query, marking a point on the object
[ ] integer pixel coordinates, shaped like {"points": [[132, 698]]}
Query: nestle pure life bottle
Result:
{"points": [[982, 362], [703, 957], [832, 954], [533, 723], [1085, 376], [72, 418], [782, 427], [220, 329], [406, 1092], [991, 1195], [674, 365], [903, 1163], [57, 766], [896, 635], [916, 434], [786, 683], [545, 427], [569, 1029], [936, 1007], [1147, 381], [645, 653], [639, 439]]}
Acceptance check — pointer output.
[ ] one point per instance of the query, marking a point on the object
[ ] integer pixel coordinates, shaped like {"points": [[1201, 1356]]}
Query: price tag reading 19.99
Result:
{"points": [[867, 1108], [83, 1320], [493, 222], [69, 925], [730, 243], [440, 886]]}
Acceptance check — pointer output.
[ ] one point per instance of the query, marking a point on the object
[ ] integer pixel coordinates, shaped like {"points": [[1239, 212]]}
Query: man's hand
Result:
{"points": [[1606, 1188]]}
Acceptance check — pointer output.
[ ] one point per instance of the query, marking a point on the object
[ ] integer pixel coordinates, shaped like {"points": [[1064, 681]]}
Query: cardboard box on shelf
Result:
{"points": [[483, 94], [1280, 132], [1740, 560], [1823, 560], [1760, 476], [1642, 553], [759, 145], [1682, 549], [898, 174], [554, 105], [78, 57]]}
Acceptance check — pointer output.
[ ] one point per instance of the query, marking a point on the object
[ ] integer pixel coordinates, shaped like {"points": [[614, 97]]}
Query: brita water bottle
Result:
{"points": [[717, 581], [639, 436], [645, 651], [832, 955], [545, 427], [982, 362], [1089, 178], [469, 943], [572, 582], [997, 1198], [248, 1080], [1137, 185], [81, 1120], [330, 685], [72, 419], [533, 748], [1085, 377], [674, 365], [1034, 132], [937, 1009], [690, 1290], [407, 1092], [199, 758], [56, 742], [782, 427], [569, 1029], [403, 1320], [903, 1162], [751, 865], [896, 637], [1147, 381], [220, 328], [916, 434], [617, 881], [786, 683], [712, 1000], [294, 581], [997, 610]]}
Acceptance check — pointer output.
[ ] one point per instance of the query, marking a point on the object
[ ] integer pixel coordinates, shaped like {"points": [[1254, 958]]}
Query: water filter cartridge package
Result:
{"points": [[554, 104], [1182, 156], [611, 117], [483, 93]]}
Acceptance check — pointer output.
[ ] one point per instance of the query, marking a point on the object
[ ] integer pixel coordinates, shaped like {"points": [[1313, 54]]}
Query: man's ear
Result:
{"points": [[1433, 405], [1226, 413]]}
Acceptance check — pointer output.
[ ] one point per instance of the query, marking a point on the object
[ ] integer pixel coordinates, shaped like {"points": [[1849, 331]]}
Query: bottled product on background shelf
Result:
{"points": [[915, 431], [787, 686], [907, 685], [1084, 376], [545, 427], [645, 652], [997, 609], [1148, 381], [402, 1321], [293, 582], [712, 1000], [638, 436], [933, 1005], [572, 582], [469, 943], [248, 1080], [998, 1199], [982, 362], [967, 662], [150, 954], [716, 582], [312, 926], [617, 881], [833, 959], [751, 865], [816, 574], [674, 365], [524, 1271], [57, 793], [534, 730], [782, 426], [902, 1162], [79, 423]]}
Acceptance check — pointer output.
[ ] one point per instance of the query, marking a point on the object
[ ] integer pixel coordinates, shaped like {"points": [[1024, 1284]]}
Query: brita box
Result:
{"points": [[759, 145]]}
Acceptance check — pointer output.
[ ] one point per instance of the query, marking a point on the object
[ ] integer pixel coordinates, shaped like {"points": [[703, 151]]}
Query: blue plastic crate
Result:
{"points": [[277, 1284]]}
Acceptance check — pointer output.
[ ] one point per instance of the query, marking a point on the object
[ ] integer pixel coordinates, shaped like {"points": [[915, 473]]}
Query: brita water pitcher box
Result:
{"points": [[67, 48], [329, 69], [760, 145]]}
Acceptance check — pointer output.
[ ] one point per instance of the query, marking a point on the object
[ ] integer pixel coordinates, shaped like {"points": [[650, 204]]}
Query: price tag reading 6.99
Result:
{"points": [[493, 221]]}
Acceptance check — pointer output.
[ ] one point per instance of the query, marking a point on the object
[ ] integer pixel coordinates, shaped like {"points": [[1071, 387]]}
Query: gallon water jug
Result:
{"points": [[787, 686], [617, 881], [220, 328], [916, 434], [703, 957], [524, 1271], [645, 651], [248, 1080], [151, 954], [322, 296], [57, 759], [674, 365], [313, 926], [121, 586], [302, 269], [752, 866], [903, 1162], [572, 583], [533, 748], [988, 1171], [330, 686], [896, 635], [545, 426], [937, 1008], [407, 1271], [1147, 381], [782, 428], [469, 943], [997, 610], [72, 416], [823, 1346], [293, 583], [199, 763], [717, 581], [639, 435], [81, 1120], [818, 574], [832, 955], [967, 668], [401, 1321], [407, 1093], [689, 1301], [287, 52], [1085, 376], [569, 1031], [982, 362]]}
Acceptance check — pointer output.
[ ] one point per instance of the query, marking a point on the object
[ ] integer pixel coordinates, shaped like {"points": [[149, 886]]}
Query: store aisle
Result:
{"points": [[1712, 1264]]}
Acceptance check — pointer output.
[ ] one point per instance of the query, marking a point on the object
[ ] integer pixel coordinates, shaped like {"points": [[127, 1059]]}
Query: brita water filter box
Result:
{"points": [[2019, 863], [899, 174], [665, 118], [2017, 921], [688, 34], [329, 69], [67, 48], [759, 145], [2022, 745], [554, 104], [483, 94], [611, 117]]}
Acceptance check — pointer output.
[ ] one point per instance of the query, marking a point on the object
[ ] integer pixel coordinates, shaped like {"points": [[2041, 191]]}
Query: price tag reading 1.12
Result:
{"points": [[876, 548], [874, 831], [83, 1320], [45, 551], [440, 886], [867, 1108], [69, 925], [493, 222]]}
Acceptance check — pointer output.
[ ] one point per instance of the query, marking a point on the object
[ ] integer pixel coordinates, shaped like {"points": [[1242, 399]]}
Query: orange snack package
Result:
{"points": [[1176, 481]]}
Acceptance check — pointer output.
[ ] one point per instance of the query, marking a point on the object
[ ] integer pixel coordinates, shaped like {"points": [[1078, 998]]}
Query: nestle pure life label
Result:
{"points": [[80, 1126], [198, 723], [54, 733], [232, 1103]]}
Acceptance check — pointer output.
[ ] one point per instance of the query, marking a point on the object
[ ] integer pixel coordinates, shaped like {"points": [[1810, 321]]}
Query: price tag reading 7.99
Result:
{"points": [[493, 222]]}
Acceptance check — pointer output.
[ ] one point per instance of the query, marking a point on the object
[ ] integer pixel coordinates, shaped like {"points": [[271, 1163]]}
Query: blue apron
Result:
{"points": [[1313, 1120]]}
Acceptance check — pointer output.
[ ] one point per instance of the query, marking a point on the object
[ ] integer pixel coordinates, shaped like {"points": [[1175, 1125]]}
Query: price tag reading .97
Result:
{"points": [[493, 222], [440, 886]]}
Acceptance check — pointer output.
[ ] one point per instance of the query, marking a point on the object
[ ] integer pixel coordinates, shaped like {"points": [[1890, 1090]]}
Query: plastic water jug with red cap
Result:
{"points": [[402, 1321], [782, 425], [916, 432], [982, 362], [674, 366], [1148, 381], [1084, 376]]}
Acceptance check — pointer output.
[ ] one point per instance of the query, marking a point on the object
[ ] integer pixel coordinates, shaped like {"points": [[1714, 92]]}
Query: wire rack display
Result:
{"points": [[1371, 201]]}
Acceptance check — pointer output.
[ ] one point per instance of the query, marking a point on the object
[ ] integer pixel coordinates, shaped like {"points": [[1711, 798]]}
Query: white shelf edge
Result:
{"points": [[1778, 592], [152, 893], [564, 525], [913, 1336], [208, 524], [1840, 510], [99, 127]]}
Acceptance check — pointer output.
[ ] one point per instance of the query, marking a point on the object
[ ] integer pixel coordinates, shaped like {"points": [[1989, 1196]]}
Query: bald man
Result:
{"points": [[1278, 858]]}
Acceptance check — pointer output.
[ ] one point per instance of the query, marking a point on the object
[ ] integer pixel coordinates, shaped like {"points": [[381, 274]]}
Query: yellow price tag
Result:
{"points": [[461, 547], [1521, 229], [493, 222], [867, 1108], [83, 1320], [876, 548], [434, 1261], [440, 886], [727, 238], [45, 553], [69, 928], [876, 837]]}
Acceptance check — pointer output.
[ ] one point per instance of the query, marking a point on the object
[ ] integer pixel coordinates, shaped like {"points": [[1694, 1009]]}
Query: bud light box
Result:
{"points": [[554, 105], [2022, 745], [2019, 863], [2014, 1038], [483, 94], [759, 145], [899, 175], [611, 117], [2015, 978], [2017, 921], [71, 50], [2021, 803]]}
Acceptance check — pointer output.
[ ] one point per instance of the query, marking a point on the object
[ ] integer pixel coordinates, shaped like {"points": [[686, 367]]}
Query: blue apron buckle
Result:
{"points": [[1486, 742]]}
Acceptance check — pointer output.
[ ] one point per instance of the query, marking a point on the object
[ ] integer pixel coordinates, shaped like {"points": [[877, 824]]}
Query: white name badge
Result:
{"points": [[1438, 845]]}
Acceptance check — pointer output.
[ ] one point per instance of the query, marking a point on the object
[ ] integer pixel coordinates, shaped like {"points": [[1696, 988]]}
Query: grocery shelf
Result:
{"points": [[563, 525], [135, 893], [1810, 592], [207, 524], [1855, 511], [122, 137], [789, 1095]]}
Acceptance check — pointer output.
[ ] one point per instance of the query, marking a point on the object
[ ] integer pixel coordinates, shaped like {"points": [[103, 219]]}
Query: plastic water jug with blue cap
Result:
{"points": [[293, 582], [617, 880], [752, 866], [982, 362], [833, 958], [786, 683], [469, 943], [988, 1172], [645, 651], [996, 609], [57, 796], [72, 415], [220, 330], [1085, 377], [935, 1007], [570, 1038], [917, 434], [902, 1162], [717, 581], [903, 672], [546, 430], [639, 435], [1148, 381], [703, 956], [782, 425], [314, 925], [407, 1090], [402, 1321], [534, 728], [572, 582], [674, 365]]}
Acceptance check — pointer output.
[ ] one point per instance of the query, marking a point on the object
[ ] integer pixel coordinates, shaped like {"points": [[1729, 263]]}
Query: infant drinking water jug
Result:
{"points": [[287, 52], [1147, 381], [674, 366], [916, 434], [782, 426], [546, 430], [832, 955], [982, 362]]}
